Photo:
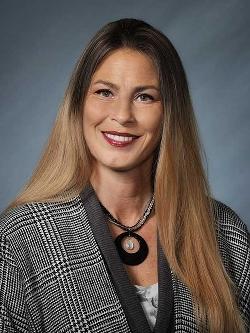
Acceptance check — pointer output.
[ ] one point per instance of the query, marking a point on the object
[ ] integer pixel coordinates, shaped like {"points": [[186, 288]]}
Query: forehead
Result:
{"points": [[127, 64]]}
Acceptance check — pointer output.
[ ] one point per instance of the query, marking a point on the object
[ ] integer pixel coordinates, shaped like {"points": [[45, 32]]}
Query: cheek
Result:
{"points": [[93, 114], [153, 122]]}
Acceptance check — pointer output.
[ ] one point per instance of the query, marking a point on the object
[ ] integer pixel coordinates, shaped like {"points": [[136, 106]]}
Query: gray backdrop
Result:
{"points": [[41, 41]]}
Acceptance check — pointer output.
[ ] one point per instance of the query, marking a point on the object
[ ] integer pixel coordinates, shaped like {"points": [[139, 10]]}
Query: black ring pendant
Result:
{"points": [[132, 258]]}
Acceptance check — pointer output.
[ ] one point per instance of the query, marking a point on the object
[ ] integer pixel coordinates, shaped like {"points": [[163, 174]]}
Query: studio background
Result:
{"points": [[41, 41]]}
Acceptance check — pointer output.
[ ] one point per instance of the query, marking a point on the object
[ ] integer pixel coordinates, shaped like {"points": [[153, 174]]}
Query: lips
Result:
{"points": [[119, 139]]}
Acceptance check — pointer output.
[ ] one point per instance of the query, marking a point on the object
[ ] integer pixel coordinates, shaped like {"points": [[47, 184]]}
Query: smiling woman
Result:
{"points": [[116, 231], [123, 114]]}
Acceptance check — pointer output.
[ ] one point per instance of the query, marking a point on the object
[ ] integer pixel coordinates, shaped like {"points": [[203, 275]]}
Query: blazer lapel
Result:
{"points": [[125, 290], [165, 315]]}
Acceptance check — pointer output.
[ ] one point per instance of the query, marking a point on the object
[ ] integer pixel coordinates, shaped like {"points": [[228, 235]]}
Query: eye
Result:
{"points": [[145, 97], [104, 92]]}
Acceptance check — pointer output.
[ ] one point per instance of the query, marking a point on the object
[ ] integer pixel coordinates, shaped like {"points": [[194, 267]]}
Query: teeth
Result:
{"points": [[119, 138]]}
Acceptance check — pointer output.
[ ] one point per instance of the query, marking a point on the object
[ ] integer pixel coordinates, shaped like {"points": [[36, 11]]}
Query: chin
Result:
{"points": [[126, 166], [121, 168]]}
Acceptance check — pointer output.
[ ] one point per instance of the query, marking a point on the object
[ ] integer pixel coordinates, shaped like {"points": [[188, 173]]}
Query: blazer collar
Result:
{"points": [[125, 290]]}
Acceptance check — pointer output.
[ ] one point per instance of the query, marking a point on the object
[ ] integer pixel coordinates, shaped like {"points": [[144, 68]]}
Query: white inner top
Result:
{"points": [[148, 297]]}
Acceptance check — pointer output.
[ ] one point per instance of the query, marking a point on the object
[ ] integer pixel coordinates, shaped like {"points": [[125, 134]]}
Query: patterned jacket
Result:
{"points": [[60, 272]]}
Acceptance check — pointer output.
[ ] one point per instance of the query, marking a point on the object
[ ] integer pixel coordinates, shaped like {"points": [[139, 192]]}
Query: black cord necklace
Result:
{"points": [[132, 248]]}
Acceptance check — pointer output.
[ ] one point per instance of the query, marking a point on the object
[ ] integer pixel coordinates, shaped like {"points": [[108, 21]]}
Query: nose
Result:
{"points": [[122, 112]]}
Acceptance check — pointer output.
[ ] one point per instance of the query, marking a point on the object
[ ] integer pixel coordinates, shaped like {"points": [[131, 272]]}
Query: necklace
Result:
{"points": [[131, 247]]}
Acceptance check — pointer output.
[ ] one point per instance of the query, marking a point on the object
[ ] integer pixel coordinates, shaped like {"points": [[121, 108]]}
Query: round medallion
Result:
{"points": [[129, 244], [131, 258]]}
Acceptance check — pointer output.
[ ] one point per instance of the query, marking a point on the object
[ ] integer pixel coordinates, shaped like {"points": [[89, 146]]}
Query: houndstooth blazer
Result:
{"points": [[60, 272]]}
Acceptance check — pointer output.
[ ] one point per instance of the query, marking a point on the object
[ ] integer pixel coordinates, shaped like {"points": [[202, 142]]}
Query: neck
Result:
{"points": [[124, 194]]}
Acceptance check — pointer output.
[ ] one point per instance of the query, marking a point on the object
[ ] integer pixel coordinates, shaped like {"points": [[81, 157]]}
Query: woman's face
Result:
{"points": [[123, 111]]}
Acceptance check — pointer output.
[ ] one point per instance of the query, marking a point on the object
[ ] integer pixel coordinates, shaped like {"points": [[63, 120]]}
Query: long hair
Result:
{"points": [[184, 207]]}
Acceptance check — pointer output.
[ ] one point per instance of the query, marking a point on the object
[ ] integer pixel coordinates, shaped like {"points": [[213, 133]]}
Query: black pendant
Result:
{"points": [[132, 258]]}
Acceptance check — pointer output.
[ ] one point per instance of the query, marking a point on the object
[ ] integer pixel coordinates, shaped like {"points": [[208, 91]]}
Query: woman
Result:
{"points": [[116, 231]]}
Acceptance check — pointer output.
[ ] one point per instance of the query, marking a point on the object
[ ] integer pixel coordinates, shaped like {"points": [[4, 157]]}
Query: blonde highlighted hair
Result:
{"points": [[184, 207]]}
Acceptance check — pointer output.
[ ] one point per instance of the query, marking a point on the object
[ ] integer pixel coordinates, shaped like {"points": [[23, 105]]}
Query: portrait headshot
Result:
{"points": [[125, 169]]}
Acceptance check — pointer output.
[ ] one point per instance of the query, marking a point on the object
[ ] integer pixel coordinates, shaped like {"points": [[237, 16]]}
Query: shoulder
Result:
{"points": [[13, 217], [33, 230], [233, 240], [229, 224], [20, 219], [232, 232], [234, 247]]}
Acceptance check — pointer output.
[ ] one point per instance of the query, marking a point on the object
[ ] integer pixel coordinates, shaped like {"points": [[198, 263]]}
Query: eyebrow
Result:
{"points": [[136, 89]]}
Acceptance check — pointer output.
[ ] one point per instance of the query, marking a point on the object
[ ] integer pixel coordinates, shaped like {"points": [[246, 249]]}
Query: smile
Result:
{"points": [[119, 139]]}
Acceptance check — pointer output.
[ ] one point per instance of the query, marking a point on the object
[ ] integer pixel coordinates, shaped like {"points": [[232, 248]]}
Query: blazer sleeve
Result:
{"points": [[234, 244], [13, 315]]}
